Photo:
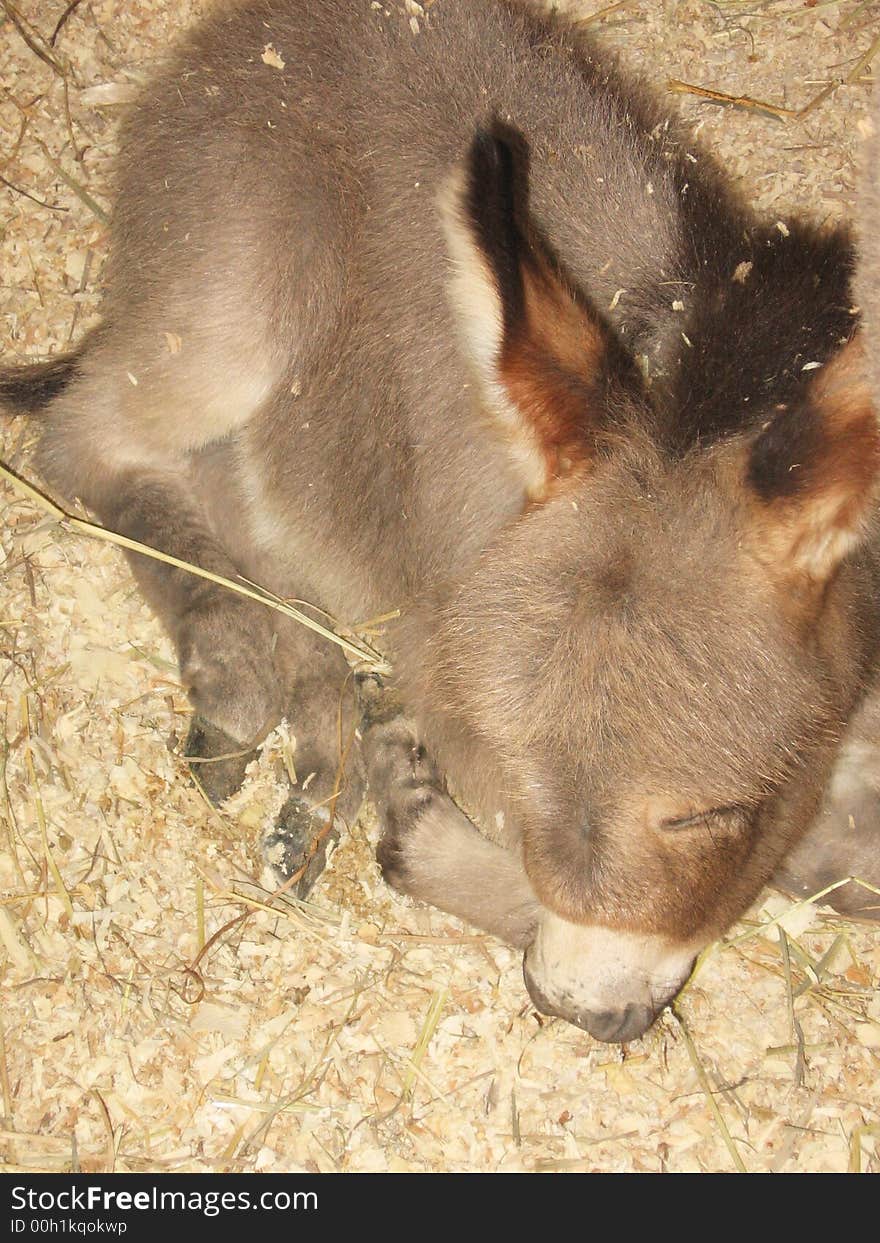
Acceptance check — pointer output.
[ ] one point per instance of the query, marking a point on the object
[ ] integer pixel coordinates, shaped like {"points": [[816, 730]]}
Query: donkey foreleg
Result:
{"points": [[431, 850]]}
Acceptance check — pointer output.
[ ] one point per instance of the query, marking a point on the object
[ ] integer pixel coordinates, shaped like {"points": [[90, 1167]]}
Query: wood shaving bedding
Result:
{"points": [[160, 1010]]}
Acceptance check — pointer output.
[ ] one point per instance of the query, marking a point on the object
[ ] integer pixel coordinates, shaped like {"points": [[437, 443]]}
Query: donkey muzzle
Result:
{"points": [[611, 982], [614, 1026]]}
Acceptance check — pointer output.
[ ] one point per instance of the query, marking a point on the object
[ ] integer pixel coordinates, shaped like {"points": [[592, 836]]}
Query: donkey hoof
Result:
{"points": [[296, 847], [391, 858], [377, 702], [216, 761]]}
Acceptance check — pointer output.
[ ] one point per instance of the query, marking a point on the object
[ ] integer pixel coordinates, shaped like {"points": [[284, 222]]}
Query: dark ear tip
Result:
{"points": [[499, 148], [484, 141], [782, 455], [495, 206], [490, 160]]}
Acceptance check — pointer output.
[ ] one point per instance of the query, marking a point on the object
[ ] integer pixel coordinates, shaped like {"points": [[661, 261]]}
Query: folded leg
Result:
{"points": [[429, 848]]}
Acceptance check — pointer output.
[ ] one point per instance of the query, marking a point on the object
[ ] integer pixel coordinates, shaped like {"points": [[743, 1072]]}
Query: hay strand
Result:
{"points": [[93, 530]]}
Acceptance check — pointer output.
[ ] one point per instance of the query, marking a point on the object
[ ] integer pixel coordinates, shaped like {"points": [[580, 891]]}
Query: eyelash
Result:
{"points": [[705, 817]]}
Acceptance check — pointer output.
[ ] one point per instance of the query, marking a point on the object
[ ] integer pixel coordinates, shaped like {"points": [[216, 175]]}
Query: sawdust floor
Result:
{"points": [[359, 1033]]}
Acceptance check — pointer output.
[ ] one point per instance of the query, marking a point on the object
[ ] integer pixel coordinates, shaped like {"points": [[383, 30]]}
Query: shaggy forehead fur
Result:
{"points": [[644, 640]]}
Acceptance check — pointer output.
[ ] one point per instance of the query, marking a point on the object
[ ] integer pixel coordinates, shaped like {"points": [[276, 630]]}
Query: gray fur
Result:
{"points": [[283, 385]]}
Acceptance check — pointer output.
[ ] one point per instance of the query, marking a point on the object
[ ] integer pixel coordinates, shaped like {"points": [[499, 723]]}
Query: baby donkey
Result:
{"points": [[459, 322]]}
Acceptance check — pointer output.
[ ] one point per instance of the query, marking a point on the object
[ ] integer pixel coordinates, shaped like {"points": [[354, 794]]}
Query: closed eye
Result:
{"points": [[714, 815]]}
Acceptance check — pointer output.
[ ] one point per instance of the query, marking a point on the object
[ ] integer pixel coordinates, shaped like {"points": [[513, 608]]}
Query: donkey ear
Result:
{"points": [[815, 470], [540, 354]]}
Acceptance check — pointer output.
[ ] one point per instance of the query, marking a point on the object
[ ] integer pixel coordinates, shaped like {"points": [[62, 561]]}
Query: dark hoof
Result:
{"points": [[216, 761], [391, 857], [297, 845], [376, 702]]}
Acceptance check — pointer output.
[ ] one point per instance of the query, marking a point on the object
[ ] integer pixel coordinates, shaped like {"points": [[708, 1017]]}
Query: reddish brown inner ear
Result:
{"points": [[815, 470], [544, 356], [551, 365], [842, 393]]}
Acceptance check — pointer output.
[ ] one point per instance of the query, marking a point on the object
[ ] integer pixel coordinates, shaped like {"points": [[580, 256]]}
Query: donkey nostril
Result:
{"points": [[618, 1026]]}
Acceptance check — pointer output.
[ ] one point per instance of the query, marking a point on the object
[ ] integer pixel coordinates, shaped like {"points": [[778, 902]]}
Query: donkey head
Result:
{"points": [[658, 656]]}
